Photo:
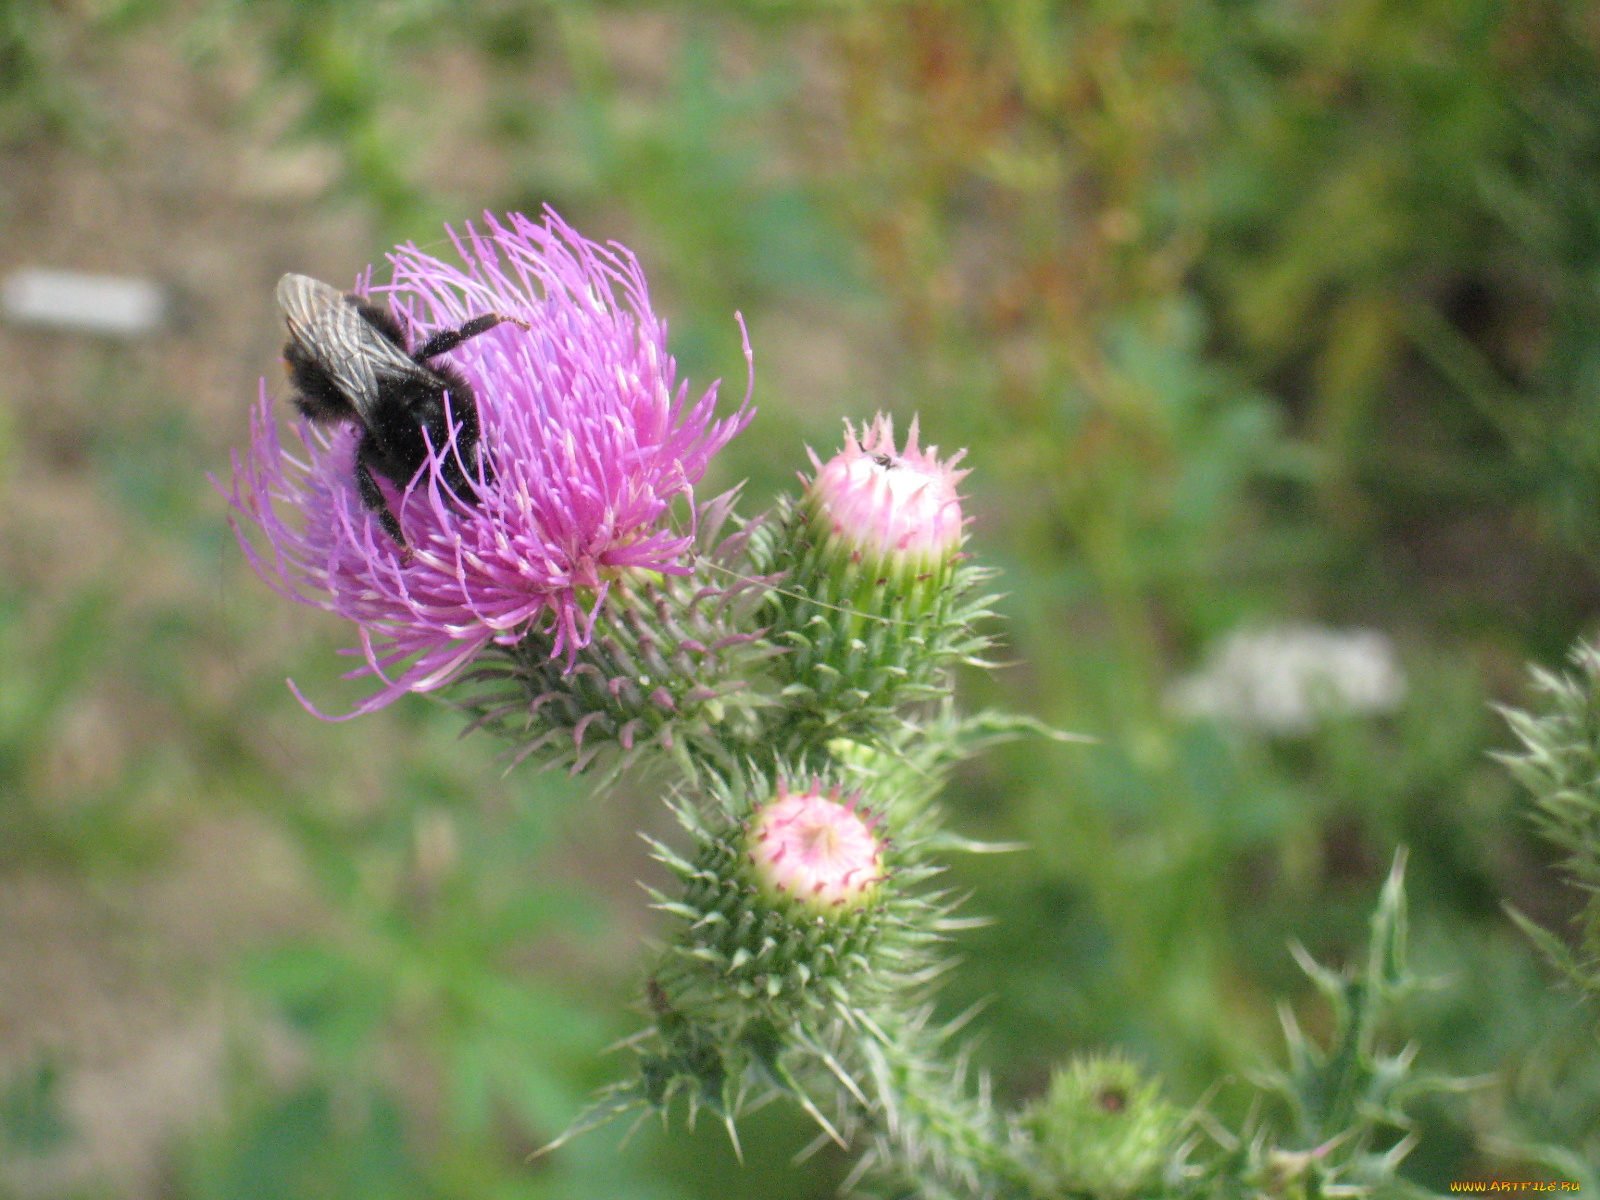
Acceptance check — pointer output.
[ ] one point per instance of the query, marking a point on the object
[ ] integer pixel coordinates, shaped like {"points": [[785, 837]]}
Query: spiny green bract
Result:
{"points": [[865, 638], [1103, 1129], [1560, 766], [669, 669]]}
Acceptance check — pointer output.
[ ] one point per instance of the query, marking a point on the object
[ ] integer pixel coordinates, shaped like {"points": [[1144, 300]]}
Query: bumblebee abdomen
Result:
{"points": [[319, 397]]}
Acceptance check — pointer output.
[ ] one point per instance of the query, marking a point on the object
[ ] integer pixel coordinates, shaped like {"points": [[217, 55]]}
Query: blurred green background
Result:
{"points": [[1252, 313]]}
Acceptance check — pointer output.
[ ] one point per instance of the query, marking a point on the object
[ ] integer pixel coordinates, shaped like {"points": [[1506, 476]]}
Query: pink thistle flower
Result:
{"points": [[588, 437], [899, 506], [816, 850]]}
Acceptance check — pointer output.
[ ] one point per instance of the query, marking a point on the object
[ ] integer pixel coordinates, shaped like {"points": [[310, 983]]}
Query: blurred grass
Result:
{"points": [[1248, 310]]}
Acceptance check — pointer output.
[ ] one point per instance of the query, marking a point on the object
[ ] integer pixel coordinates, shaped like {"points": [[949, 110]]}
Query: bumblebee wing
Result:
{"points": [[340, 338]]}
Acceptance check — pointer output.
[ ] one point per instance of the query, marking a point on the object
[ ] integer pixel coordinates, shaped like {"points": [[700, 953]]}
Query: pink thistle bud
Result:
{"points": [[889, 505], [875, 605], [815, 850]]}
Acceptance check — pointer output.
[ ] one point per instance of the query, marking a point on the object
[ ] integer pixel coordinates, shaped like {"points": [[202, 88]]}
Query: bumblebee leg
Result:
{"points": [[448, 339], [372, 495]]}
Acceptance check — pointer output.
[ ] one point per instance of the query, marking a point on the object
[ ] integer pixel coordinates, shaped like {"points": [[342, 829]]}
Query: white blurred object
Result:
{"points": [[1281, 679], [116, 305]]}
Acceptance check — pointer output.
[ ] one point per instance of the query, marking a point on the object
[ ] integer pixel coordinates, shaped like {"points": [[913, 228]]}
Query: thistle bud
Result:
{"points": [[1103, 1129], [796, 916], [786, 897], [897, 511], [876, 600], [816, 851]]}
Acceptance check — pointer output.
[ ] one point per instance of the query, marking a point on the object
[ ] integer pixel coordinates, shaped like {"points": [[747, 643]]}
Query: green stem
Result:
{"points": [[939, 1136]]}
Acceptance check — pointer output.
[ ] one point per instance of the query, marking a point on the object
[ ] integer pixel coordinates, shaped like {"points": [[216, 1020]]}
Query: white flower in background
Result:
{"points": [[1282, 679]]}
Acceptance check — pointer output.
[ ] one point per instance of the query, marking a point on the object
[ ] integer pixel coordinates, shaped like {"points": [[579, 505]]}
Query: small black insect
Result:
{"points": [[885, 461], [349, 360]]}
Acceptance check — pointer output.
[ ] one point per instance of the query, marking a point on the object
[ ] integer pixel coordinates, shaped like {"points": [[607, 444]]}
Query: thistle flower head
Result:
{"points": [[815, 849], [888, 503], [587, 439]]}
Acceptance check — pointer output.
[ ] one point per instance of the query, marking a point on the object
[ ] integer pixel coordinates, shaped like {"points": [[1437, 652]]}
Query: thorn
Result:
{"points": [[628, 1042], [858, 1172], [809, 1149], [632, 1129], [811, 1108]]}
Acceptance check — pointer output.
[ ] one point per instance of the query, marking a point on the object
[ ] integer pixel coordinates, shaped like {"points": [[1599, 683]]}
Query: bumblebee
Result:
{"points": [[349, 361]]}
